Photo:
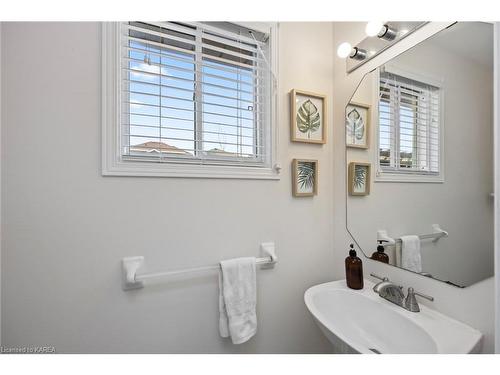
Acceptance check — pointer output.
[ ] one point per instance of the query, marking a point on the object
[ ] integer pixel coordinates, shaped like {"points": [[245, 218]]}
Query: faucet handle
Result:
{"points": [[426, 296], [378, 277], [411, 303]]}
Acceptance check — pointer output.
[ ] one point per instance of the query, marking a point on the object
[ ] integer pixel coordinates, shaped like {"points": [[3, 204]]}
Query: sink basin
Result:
{"points": [[359, 321]]}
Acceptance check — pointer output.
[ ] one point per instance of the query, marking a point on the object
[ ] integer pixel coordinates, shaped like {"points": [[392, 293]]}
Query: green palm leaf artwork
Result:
{"points": [[360, 177], [308, 118], [306, 175]]}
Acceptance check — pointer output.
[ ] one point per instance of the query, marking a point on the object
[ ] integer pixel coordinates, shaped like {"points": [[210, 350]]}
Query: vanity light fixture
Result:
{"points": [[380, 36], [345, 49], [373, 28], [381, 30], [358, 54]]}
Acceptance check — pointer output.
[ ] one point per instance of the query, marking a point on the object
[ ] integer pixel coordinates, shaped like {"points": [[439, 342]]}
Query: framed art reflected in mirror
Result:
{"points": [[359, 178], [357, 122]]}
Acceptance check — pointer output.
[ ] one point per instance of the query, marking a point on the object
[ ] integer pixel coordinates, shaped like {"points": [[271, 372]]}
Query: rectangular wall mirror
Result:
{"points": [[419, 137]]}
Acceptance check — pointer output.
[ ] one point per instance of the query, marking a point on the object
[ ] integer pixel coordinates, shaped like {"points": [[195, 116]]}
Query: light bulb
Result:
{"points": [[344, 50], [373, 28]]}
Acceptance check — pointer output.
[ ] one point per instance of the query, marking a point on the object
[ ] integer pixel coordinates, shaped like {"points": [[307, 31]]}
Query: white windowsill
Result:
{"points": [[407, 177], [142, 169]]}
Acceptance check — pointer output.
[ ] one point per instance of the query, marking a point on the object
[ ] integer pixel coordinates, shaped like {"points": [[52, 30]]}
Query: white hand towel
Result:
{"points": [[410, 253], [237, 299]]}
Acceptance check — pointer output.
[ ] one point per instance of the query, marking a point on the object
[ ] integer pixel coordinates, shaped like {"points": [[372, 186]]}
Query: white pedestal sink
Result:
{"points": [[359, 321]]}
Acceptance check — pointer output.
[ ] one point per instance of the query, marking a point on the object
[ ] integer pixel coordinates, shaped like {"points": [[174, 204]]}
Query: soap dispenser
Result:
{"points": [[353, 270], [380, 255]]}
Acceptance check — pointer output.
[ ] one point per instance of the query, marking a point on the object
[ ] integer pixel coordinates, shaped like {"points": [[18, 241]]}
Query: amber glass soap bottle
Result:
{"points": [[353, 270]]}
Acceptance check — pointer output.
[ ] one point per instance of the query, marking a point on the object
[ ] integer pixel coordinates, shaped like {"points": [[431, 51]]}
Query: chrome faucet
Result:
{"points": [[394, 293]]}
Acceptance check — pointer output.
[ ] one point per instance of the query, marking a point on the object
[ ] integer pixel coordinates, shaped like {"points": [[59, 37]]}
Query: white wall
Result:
{"points": [[473, 305], [65, 227], [462, 204]]}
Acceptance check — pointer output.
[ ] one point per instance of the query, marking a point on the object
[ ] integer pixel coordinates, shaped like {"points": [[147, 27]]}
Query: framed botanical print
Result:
{"points": [[359, 178], [304, 177], [357, 125], [308, 117]]}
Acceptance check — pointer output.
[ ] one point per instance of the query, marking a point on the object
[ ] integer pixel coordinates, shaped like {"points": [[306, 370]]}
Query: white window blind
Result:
{"points": [[195, 93], [409, 126]]}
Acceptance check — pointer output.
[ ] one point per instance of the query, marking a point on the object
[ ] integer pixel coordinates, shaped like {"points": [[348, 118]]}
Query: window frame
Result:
{"points": [[115, 164], [386, 175]]}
